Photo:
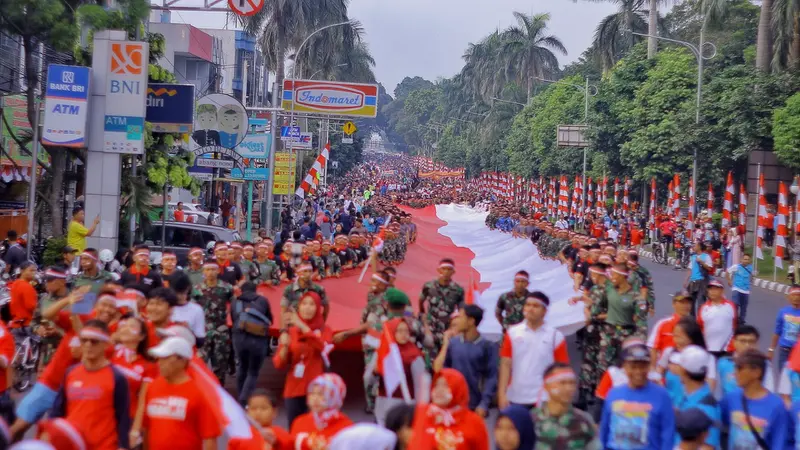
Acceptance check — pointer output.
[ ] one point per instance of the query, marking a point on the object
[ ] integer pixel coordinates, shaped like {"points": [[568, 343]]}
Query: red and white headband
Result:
{"points": [[211, 265], [379, 278], [89, 255], [94, 333], [141, 251], [521, 276], [305, 268], [195, 251], [560, 375], [236, 245], [55, 274], [794, 290], [446, 265], [536, 300], [248, 246], [624, 273], [597, 271]]}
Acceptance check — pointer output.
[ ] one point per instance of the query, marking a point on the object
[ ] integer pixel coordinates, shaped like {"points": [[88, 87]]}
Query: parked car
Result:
{"points": [[182, 236]]}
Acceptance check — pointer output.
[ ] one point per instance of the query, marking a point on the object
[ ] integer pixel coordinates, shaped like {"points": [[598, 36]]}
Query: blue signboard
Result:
{"points": [[255, 146], [66, 105], [170, 107], [251, 173], [290, 133]]}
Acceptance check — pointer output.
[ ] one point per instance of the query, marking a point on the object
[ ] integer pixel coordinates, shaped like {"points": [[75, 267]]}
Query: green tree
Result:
{"points": [[786, 132], [528, 51]]}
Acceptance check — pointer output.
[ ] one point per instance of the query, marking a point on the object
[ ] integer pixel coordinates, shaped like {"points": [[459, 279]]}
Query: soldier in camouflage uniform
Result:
{"points": [[268, 270], [402, 243], [333, 266], [250, 269], [195, 269], [91, 275], [215, 296], [315, 251], [437, 301], [510, 305], [56, 289], [626, 316], [595, 310], [560, 426], [388, 255], [295, 291], [646, 280]]}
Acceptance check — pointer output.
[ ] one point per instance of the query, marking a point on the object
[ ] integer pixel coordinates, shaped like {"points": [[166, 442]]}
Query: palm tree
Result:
{"points": [[528, 49], [764, 39], [611, 40], [339, 54], [786, 26], [652, 29]]}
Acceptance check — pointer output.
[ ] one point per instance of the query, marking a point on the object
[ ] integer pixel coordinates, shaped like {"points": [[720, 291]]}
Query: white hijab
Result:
{"points": [[364, 436]]}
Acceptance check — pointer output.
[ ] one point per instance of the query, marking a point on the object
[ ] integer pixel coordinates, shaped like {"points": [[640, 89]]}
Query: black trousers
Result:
{"points": [[250, 354], [295, 406], [697, 289]]}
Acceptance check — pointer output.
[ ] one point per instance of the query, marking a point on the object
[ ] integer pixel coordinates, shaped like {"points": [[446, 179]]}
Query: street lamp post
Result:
{"points": [[589, 90], [697, 50], [500, 100]]}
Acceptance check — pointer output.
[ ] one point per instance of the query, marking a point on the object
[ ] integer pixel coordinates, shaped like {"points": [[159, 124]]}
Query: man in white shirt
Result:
{"points": [[562, 224], [718, 319], [186, 312], [528, 349], [613, 234]]}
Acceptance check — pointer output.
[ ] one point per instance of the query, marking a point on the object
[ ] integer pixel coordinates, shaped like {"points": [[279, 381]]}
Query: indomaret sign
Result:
{"points": [[334, 98]]}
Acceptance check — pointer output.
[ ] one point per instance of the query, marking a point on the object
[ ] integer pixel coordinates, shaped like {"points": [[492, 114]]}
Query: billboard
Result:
{"points": [[170, 107], [303, 142], [66, 106], [251, 173], [285, 167], [329, 97], [255, 146], [220, 121], [15, 112], [126, 88]]}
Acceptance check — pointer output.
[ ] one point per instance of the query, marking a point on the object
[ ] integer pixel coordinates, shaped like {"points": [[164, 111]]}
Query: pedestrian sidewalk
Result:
{"points": [[758, 282]]}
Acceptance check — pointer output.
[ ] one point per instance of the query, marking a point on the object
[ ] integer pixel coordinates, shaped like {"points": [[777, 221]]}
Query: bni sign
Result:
{"points": [[66, 106], [170, 107], [126, 89]]}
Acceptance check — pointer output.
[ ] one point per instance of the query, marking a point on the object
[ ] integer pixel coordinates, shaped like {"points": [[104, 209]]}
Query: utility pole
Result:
{"points": [[32, 185]]}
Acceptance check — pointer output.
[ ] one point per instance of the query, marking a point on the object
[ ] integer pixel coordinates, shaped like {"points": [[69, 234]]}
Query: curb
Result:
{"points": [[758, 282]]}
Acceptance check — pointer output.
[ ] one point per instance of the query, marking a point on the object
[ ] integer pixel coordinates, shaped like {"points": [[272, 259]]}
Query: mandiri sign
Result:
{"points": [[170, 107], [327, 97]]}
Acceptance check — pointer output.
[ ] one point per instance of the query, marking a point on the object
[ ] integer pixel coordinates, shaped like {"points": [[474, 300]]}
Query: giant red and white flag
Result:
{"points": [[742, 208], [762, 217], [653, 199], [690, 226], [676, 196], [710, 201], [781, 233], [727, 206]]}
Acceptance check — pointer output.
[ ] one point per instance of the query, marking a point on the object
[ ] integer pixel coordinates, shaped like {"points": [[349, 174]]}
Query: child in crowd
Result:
{"points": [[262, 408]]}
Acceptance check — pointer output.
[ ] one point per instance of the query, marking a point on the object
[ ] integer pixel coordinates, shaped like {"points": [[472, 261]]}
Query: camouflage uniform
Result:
{"points": [[96, 282], [48, 344], [438, 302], [332, 264], [573, 430], [647, 281], [511, 304], [249, 269], [613, 335], [268, 272], [293, 293], [195, 276], [590, 373], [373, 314], [389, 254], [319, 265], [217, 347]]}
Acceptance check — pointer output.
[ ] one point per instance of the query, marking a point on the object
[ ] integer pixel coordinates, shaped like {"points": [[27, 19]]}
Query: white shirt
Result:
{"points": [[531, 352], [613, 234], [718, 322], [192, 315], [785, 382], [562, 224]]}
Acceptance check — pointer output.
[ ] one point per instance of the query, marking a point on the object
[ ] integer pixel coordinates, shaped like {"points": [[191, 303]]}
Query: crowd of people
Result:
{"points": [[143, 358]]}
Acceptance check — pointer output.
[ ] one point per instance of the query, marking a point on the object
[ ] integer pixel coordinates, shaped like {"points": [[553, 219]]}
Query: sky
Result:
{"points": [[428, 37]]}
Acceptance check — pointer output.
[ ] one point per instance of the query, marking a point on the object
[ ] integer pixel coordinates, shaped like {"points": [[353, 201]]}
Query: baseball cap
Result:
{"points": [[693, 359], [636, 352], [172, 346], [691, 423], [715, 283], [178, 331]]}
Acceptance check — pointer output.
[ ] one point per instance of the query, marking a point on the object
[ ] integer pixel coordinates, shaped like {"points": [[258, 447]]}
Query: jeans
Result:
{"points": [[697, 289], [295, 406], [250, 353], [783, 357], [740, 300]]}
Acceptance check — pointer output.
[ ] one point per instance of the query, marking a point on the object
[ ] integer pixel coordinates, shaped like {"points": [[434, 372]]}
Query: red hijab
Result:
{"points": [[318, 321], [432, 417], [408, 351]]}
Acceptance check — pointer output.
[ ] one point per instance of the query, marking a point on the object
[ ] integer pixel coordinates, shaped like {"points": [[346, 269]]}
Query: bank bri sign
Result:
{"points": [[332, 98], [66, 106], [170, 107]]}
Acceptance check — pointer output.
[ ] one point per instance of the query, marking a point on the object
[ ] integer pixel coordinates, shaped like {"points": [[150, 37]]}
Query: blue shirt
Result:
{"points": [[742, 277], [478, 362], [726, 378], [698, 273], [638, 419], [674, 387], [767, 414], [794, 413], [787, 325], [704, 401]]}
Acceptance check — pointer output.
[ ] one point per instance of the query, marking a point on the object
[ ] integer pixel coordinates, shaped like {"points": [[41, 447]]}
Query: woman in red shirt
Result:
{"points": [[447, 421], [23, 297], [314, 429], [303, 350], [131, 358]]}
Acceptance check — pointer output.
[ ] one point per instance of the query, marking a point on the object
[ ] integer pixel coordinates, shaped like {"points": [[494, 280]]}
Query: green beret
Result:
{"points": [[395, 296]]}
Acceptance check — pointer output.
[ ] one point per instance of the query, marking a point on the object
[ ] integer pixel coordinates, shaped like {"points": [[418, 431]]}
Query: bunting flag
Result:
{"points": [[710, 201], [727, 206], [563, 197], [625, 203], [742, 209], [576, 200], [653, 199], [691, 204], [601, 196], [589, 193], [762, 217], [780, 232], [605, 193], [310, 181], [616, 193], [676, 196], [670, 193]]}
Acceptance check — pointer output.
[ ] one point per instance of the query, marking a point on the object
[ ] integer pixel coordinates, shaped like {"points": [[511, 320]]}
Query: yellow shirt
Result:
{"points": [[76, 235]]}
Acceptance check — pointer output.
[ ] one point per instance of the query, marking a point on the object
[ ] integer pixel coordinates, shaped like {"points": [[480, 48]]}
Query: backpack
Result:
{"points": [[250, 320]]}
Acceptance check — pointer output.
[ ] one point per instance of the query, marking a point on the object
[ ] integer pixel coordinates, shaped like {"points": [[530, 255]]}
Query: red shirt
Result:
{"points": [[178, 215], [307, 436], [636, 237], [96, 404], [177, 416], [137, 370], [304, 358], [7, 349], [53, 374], [661, 337], [23, 303]]}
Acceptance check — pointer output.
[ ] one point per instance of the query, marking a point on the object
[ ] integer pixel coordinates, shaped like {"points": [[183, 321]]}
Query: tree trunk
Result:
{"points": [[794, 53], [58, 165], [764, 40], [652, 29], [280, 53]]}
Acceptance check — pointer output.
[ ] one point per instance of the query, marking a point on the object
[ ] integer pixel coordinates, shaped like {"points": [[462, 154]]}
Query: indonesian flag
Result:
{"points": [[670, 193], [781, 232], [676, 197], [390, 365], [473, 294], [742, 207], [625, 201], [653, 199], [616, 192], [727, 206], [710, 201], [762, 217], [691, 204], [589, 193]]}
